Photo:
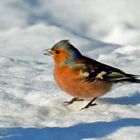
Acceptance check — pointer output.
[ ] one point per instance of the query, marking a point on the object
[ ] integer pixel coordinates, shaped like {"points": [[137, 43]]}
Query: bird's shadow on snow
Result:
{"points": [[76, 132], [125, 100]]}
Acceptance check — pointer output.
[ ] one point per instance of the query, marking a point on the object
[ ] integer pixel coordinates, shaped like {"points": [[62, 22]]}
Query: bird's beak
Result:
{"points": [[48, 52]]}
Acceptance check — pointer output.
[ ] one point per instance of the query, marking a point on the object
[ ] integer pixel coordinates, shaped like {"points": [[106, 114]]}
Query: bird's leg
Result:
{"points": [[72, 101], [90, 103]]}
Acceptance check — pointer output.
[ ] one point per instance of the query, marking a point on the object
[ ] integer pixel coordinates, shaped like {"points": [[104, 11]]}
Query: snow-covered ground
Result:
{"points": [[31, 104]]}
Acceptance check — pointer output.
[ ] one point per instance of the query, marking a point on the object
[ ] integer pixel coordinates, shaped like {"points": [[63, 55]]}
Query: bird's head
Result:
{"points": [[63, 53]]}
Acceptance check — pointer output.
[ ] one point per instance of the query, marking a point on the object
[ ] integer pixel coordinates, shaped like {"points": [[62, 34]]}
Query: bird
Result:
{"points": [[83, 77]]}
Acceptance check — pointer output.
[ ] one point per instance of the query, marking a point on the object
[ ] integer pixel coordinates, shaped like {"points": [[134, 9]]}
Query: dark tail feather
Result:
{"points": [[127, 78], [134, 80]]}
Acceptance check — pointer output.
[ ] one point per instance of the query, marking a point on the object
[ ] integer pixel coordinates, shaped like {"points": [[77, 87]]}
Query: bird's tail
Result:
{"points": [[133, 78], [126, 78]]}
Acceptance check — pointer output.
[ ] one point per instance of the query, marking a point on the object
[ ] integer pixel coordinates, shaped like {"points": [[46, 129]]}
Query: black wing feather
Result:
{"points": [[108, 73]]}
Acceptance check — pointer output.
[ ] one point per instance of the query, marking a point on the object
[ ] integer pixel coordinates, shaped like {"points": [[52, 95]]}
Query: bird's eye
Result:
{"points": [[57, 51]]}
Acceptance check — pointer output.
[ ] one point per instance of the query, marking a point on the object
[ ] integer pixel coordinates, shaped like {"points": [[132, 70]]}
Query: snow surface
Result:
{"points": [[31, 104]]}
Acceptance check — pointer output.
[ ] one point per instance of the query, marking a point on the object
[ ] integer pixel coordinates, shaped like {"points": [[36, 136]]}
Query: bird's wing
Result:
{"points": [[93, 70]]}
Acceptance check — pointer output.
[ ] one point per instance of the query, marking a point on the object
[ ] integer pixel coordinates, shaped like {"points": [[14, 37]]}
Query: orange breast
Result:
{"points": [[71, 82]]}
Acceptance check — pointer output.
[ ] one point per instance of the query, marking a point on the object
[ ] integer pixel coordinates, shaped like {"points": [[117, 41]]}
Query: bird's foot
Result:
{"points": [[90, 103], [72, 101]]}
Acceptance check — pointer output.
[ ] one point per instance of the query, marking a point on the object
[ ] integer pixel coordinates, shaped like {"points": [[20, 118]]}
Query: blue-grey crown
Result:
{"points": [[66, 45]]}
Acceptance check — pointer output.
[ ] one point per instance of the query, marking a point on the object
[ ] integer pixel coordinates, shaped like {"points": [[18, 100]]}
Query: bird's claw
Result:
{"points": [[72, 101], [88, 105]]}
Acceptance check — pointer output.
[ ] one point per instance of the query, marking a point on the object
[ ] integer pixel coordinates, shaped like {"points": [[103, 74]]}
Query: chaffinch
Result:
{"points": [[83, 77]]}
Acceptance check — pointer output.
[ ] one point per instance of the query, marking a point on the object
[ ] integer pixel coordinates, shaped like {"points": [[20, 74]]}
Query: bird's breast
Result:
{"points": [[66, 78]]}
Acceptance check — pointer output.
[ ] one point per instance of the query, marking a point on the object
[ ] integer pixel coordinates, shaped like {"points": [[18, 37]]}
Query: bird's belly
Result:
{"points": [[83, 90], [80, 88]]}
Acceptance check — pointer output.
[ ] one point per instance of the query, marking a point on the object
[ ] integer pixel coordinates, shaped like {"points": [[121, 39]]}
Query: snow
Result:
{"points": [[31, 104]]}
